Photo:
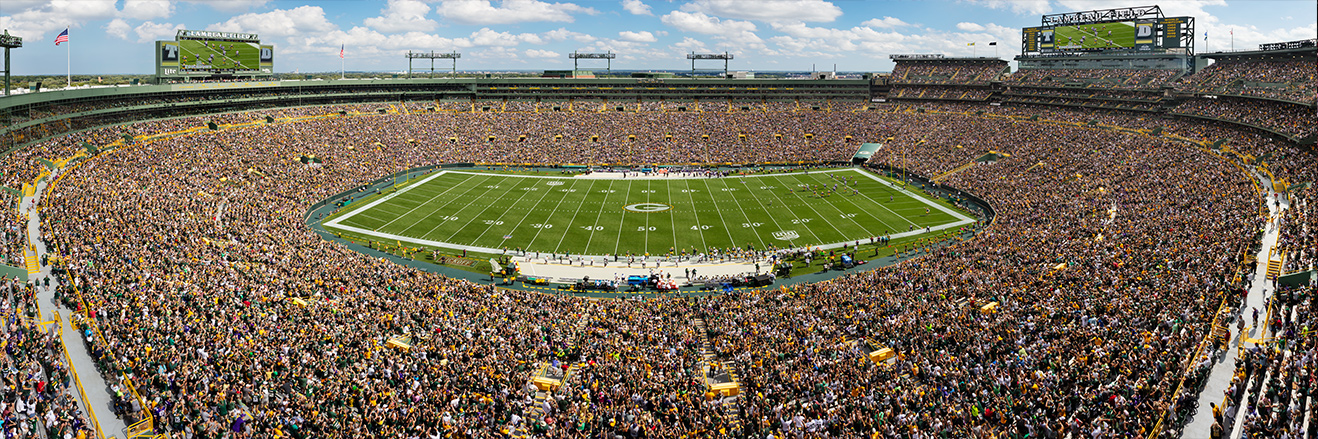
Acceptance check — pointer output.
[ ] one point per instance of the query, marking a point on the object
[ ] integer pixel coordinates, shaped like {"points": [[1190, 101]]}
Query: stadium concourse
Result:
{"points": [[1093, 306]]}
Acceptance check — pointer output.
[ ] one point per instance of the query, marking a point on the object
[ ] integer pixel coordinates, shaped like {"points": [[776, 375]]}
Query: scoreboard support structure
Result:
{"points": [[9, 42], [432, 56]]}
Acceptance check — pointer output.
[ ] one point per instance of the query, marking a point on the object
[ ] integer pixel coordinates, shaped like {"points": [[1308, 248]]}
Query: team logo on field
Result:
{"points": [[554, 183], [647, 207], [786, 235]]}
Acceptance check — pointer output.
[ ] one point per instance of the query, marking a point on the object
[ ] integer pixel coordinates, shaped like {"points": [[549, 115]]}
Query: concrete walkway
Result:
{"points": [[98, 393], [1219, 379]]}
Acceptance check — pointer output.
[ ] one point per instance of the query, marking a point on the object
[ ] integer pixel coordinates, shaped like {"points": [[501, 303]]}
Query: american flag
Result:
{"points": [[340, 51], [63, 37]]}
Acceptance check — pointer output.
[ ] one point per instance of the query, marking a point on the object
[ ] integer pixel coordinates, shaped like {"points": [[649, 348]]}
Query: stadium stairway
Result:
{"points": [[954, 171], [32, 262], [729, 407], [98, 404], [1219, 377], [537, 410]]}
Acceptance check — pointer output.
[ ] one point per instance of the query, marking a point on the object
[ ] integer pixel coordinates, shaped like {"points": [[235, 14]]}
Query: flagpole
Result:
{"points": [[68, 60]]}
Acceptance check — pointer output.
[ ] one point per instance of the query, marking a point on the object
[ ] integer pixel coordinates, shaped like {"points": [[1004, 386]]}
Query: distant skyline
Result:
{"points": [[116, 37]]}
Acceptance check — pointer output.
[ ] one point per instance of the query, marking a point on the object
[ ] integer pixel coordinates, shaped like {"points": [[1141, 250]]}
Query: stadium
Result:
{"points": [[1112, 239]]}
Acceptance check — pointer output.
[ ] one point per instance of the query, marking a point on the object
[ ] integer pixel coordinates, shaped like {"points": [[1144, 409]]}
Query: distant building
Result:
{"points": [[568, 74], [741, 75]]}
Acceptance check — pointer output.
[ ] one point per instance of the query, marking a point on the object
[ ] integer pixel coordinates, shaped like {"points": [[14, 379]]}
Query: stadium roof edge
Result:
{"points": [[1257, 53]]}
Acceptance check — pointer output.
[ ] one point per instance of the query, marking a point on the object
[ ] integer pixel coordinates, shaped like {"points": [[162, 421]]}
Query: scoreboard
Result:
{"points": [[211, 54], [1140, 30]]}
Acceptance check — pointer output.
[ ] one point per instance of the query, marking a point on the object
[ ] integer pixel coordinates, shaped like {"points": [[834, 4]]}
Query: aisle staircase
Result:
{"points": [[537, 412], [32, 261], [952, 172], [728, 405]]}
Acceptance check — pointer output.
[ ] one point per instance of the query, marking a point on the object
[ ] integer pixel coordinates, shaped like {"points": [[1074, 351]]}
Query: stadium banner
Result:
{"points": [[1171, 31], [167, 58], [1144, 36], [267, 58]]}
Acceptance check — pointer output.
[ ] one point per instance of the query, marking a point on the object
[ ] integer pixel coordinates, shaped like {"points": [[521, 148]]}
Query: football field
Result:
{"points": [[220, 54], [1096, 36], [607, 215]]}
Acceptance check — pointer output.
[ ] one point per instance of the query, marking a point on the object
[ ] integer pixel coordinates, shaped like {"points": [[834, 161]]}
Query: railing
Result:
{"points": [[91, 411]]}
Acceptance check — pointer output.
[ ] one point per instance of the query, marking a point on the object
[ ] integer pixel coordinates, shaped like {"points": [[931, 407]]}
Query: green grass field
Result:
{"points": [[1096, 36], [485, 212], [227, 55]]}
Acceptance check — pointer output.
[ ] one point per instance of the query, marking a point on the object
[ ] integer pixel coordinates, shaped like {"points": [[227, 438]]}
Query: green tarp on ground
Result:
{"points": [[867, 150]]}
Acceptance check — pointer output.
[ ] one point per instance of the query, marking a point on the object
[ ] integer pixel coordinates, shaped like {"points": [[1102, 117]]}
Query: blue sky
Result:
{"points": [[115, 36]]}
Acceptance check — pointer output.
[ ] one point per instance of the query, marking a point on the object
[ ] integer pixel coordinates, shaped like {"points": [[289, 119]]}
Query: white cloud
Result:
{"points": [[38, 20], [509, 11], [487, 37], [148, 9], [885, 22], [231, 6], [700, 23], [637, 37], [537, 53], [561, 34], [118, 28], [799, 10], [689, 44], [148, 31], [636, 7], [1027, 7], [402, 16], [302, 20]]}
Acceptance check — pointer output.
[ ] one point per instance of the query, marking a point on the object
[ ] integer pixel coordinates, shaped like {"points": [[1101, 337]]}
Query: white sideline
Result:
{"points": [[336, 223]]}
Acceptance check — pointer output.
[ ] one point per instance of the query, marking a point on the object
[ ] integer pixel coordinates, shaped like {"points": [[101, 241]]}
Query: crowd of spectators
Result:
{"points": [[1293, 120], [940, 92], [948, 72], [1092, 78], [1274, 386], [190, 283], [38, 399], [1289, 79]]}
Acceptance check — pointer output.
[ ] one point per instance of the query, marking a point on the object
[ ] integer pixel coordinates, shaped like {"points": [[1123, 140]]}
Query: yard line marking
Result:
{"points": [[704, 246], [551, 213], [621, 220], [446, 204], [672, 217], [792, 212], [853, 220], [487, 207], [385, 198], [409, 227], [574, 217], [528, 214], [830, 223], [599, 215], [648, 190], [744, 215], [720, 219], [964, 219]]}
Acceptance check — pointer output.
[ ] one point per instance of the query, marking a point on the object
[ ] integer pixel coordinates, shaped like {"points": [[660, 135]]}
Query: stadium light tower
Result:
{"points": [[725, 56], [9, 42], [607, 57], [432, 56]]}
